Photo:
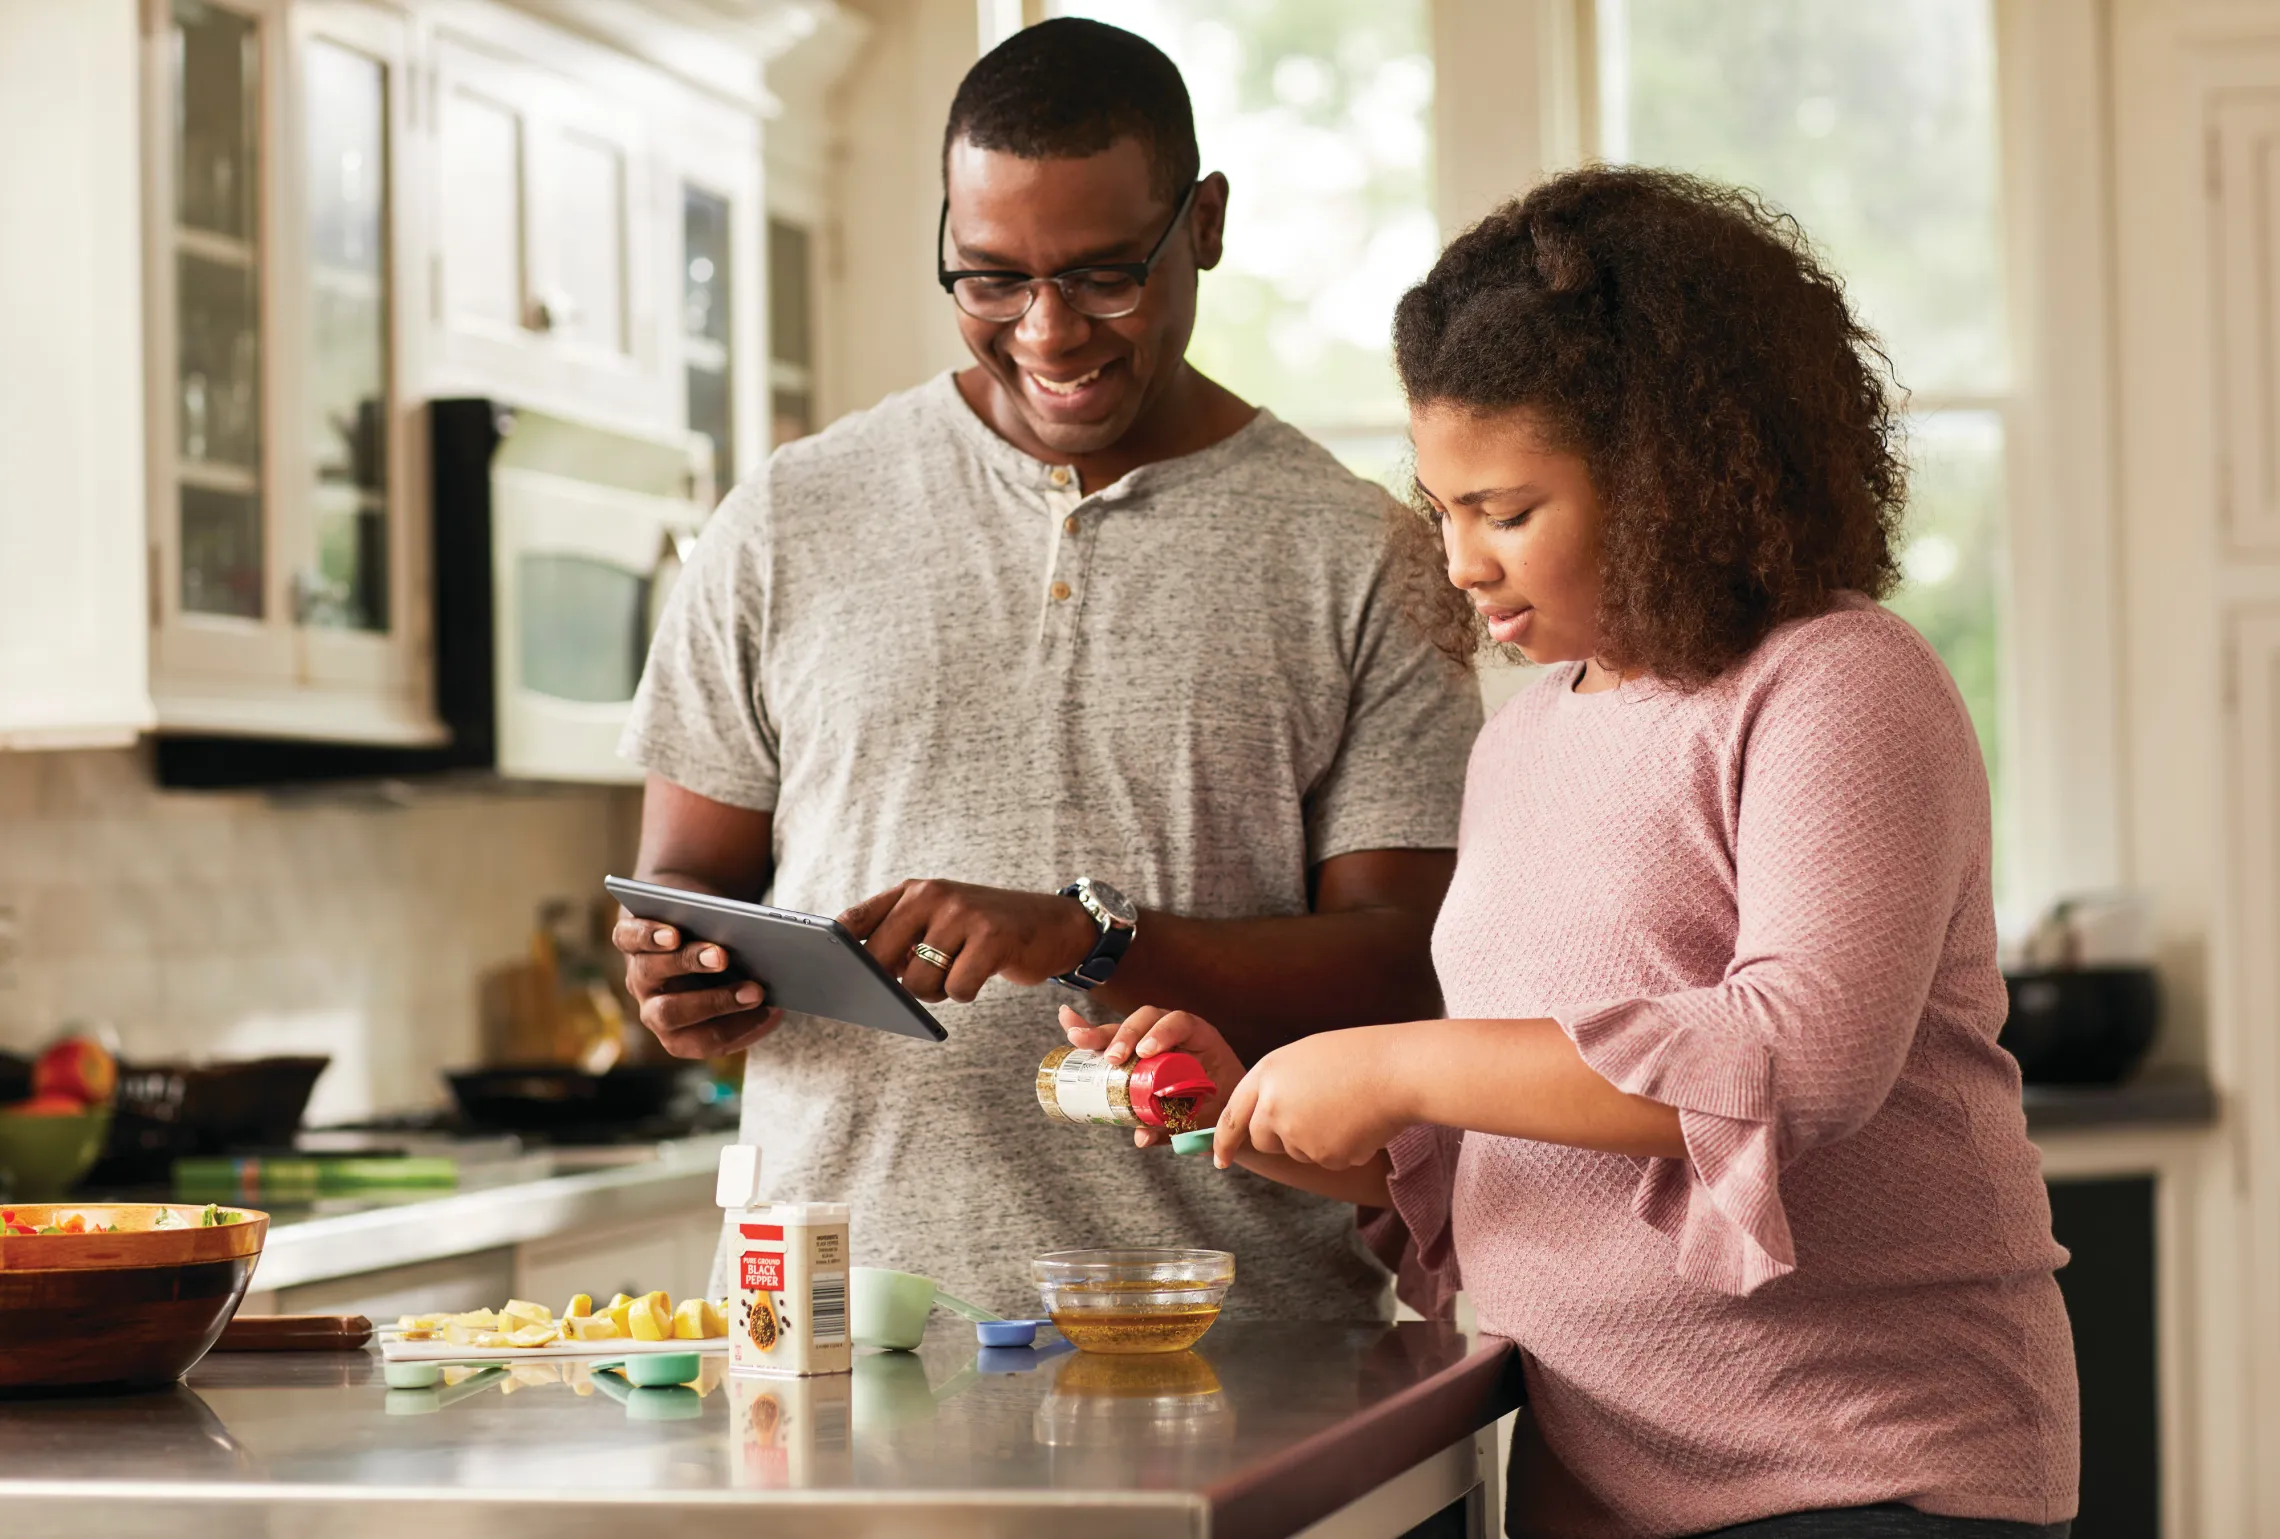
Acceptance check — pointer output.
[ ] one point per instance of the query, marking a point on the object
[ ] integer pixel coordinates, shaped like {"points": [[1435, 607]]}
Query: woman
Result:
{"points": [[1717, 1131]]}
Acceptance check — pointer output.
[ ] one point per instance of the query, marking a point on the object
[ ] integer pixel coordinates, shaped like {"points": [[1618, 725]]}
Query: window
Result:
{"points": [[1876, 126], [1319, 112]]}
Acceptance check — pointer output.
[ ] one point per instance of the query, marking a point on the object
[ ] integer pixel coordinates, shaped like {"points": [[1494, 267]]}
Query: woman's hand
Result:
{"points": [[1148, 1031], [1332, 1100]]}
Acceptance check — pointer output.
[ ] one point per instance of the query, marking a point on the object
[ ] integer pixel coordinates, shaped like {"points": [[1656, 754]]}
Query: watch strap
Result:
{"points": [[1108, 949]]}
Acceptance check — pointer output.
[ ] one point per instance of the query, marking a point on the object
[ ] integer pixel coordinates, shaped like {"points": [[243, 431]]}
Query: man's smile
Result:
{"points": [[1063, 386]]}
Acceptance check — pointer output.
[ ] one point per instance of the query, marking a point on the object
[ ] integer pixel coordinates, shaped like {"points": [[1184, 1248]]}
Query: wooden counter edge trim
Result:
{"points": [[1312, 1479]]}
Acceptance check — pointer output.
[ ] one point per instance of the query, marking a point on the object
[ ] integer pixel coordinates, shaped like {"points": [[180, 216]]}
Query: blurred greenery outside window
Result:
{"points": [[1876, 127], [1320, 114]]}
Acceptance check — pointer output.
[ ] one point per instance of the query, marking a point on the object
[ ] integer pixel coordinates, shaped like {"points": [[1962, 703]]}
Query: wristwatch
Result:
{"points": [[1119, 921]]}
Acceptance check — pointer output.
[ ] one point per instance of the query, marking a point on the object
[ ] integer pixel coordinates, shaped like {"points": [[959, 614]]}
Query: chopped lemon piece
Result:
{"points": [[597, 1328], [647, 1323], [533, 1336], [527, 1312], [617, 1299], [471, 1320], [689, 1323], [663, 1301], [580, 1306]]}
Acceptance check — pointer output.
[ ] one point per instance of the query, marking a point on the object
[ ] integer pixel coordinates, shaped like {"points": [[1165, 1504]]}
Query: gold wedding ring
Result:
{"points": [[926, 953]]}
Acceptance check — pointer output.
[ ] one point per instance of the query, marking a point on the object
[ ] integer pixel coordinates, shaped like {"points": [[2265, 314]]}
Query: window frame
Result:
{"points": [[2062, 674]]}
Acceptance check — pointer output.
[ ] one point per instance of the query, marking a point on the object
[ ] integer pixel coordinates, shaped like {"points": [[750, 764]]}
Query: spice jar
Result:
{"points": [[1076, 1084]]}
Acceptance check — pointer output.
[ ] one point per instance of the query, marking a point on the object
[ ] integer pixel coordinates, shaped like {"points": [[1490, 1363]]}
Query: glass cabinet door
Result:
{"points": [[705, 334], [216, 59], [791, 348], [345, 112]]}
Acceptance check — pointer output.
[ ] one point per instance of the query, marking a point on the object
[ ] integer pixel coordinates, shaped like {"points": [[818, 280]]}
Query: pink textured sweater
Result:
{"points": [[1767, 904]]}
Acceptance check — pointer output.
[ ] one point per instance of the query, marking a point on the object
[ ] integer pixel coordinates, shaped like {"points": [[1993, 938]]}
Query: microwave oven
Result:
{"points": [[557, 545]]}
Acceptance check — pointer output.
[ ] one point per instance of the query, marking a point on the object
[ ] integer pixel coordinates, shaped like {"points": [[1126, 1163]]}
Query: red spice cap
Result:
{"points": [[1175, 1076]]}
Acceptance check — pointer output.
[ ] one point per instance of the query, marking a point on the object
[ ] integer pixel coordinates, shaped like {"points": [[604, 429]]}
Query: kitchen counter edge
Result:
{"points": [[460, 1223]]}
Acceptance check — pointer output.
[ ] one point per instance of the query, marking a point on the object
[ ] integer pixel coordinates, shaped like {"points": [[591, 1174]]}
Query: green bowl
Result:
{"points": [[40, 1157]]}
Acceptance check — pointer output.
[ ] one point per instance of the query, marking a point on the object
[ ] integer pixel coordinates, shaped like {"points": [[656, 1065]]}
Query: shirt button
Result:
{"points": [[1060, 593], [1070, 523], [1060, 475]]}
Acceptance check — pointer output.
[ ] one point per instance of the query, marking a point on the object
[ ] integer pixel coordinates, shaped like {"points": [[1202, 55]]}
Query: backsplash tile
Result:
{"points": [[208, 924]]}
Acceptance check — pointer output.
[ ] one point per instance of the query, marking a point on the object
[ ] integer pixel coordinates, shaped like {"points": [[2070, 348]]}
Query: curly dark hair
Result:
{"points": [[1737, 421]]}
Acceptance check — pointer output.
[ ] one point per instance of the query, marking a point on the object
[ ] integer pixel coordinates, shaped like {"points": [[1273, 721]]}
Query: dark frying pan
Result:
{"points": [[173, 1110], [542, 1098]]}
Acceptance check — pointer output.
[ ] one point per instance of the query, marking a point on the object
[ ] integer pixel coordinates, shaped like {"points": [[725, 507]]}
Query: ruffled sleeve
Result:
{"points": [[1862, 814], [1414, 1237], [1722, 1203]]}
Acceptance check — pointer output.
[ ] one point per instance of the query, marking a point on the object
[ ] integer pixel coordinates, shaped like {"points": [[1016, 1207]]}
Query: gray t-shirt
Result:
{"points": [[929, 656]]}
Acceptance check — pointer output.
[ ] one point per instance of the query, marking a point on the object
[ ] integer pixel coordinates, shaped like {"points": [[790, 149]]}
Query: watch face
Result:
{"points": [[1113, 903]]}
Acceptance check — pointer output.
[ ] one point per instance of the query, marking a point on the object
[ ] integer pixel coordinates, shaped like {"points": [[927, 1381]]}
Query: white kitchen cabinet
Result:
{"points": [[673, 1253], [2244, 129], [247, 241], [478, 1280], [549, 271], [287, 574], [73, 654]]}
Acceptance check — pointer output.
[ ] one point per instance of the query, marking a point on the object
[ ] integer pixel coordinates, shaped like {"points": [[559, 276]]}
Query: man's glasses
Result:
{"points": [[1104, 291]]}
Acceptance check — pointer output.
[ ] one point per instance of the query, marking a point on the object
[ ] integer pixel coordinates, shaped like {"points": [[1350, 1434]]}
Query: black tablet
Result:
{"points": [[806, 962]]}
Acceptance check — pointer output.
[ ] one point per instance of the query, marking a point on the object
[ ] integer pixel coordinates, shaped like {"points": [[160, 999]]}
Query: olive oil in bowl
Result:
{"points": [[1171, 1329], [1134, 1301]]}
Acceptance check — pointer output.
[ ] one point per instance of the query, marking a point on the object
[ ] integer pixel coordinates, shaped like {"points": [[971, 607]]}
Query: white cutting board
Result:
{"points": [[396, 1350]]}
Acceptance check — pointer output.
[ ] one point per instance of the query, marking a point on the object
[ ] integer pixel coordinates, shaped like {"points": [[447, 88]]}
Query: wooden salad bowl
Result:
{"points": [[131, 1309]]}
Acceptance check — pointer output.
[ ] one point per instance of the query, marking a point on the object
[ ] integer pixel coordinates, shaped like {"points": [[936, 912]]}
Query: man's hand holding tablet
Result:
{"points": [[687, 994], [721, 972]]}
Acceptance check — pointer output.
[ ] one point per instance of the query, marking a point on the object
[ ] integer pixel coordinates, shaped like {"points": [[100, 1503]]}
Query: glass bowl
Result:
{"points": [[1134, 1300]]}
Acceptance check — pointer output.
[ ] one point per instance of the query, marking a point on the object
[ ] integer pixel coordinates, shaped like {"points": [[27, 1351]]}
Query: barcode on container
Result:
{"points": [[827, 1308]]}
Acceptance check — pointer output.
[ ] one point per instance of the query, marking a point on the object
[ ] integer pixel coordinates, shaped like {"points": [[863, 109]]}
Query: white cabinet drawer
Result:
{"points": [[673, 1253]]}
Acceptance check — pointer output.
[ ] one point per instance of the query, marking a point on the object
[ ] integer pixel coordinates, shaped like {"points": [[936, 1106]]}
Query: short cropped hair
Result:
{"points": [[1739, 422], [1070, 88]]}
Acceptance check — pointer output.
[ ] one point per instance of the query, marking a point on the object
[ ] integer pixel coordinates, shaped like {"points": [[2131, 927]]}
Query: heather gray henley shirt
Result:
{"points": [[929, 655]]}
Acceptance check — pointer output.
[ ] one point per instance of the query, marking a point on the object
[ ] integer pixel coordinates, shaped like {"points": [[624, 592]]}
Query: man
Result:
{"points": [[1075, 612]]}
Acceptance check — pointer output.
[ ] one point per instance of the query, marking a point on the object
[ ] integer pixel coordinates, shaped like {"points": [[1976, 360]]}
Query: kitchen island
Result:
{"points": [[1262, 1430]]}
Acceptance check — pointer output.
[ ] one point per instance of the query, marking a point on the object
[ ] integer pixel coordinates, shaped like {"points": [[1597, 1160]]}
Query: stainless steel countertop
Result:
{"points": [[533, 1198], [1261, 1430]]}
